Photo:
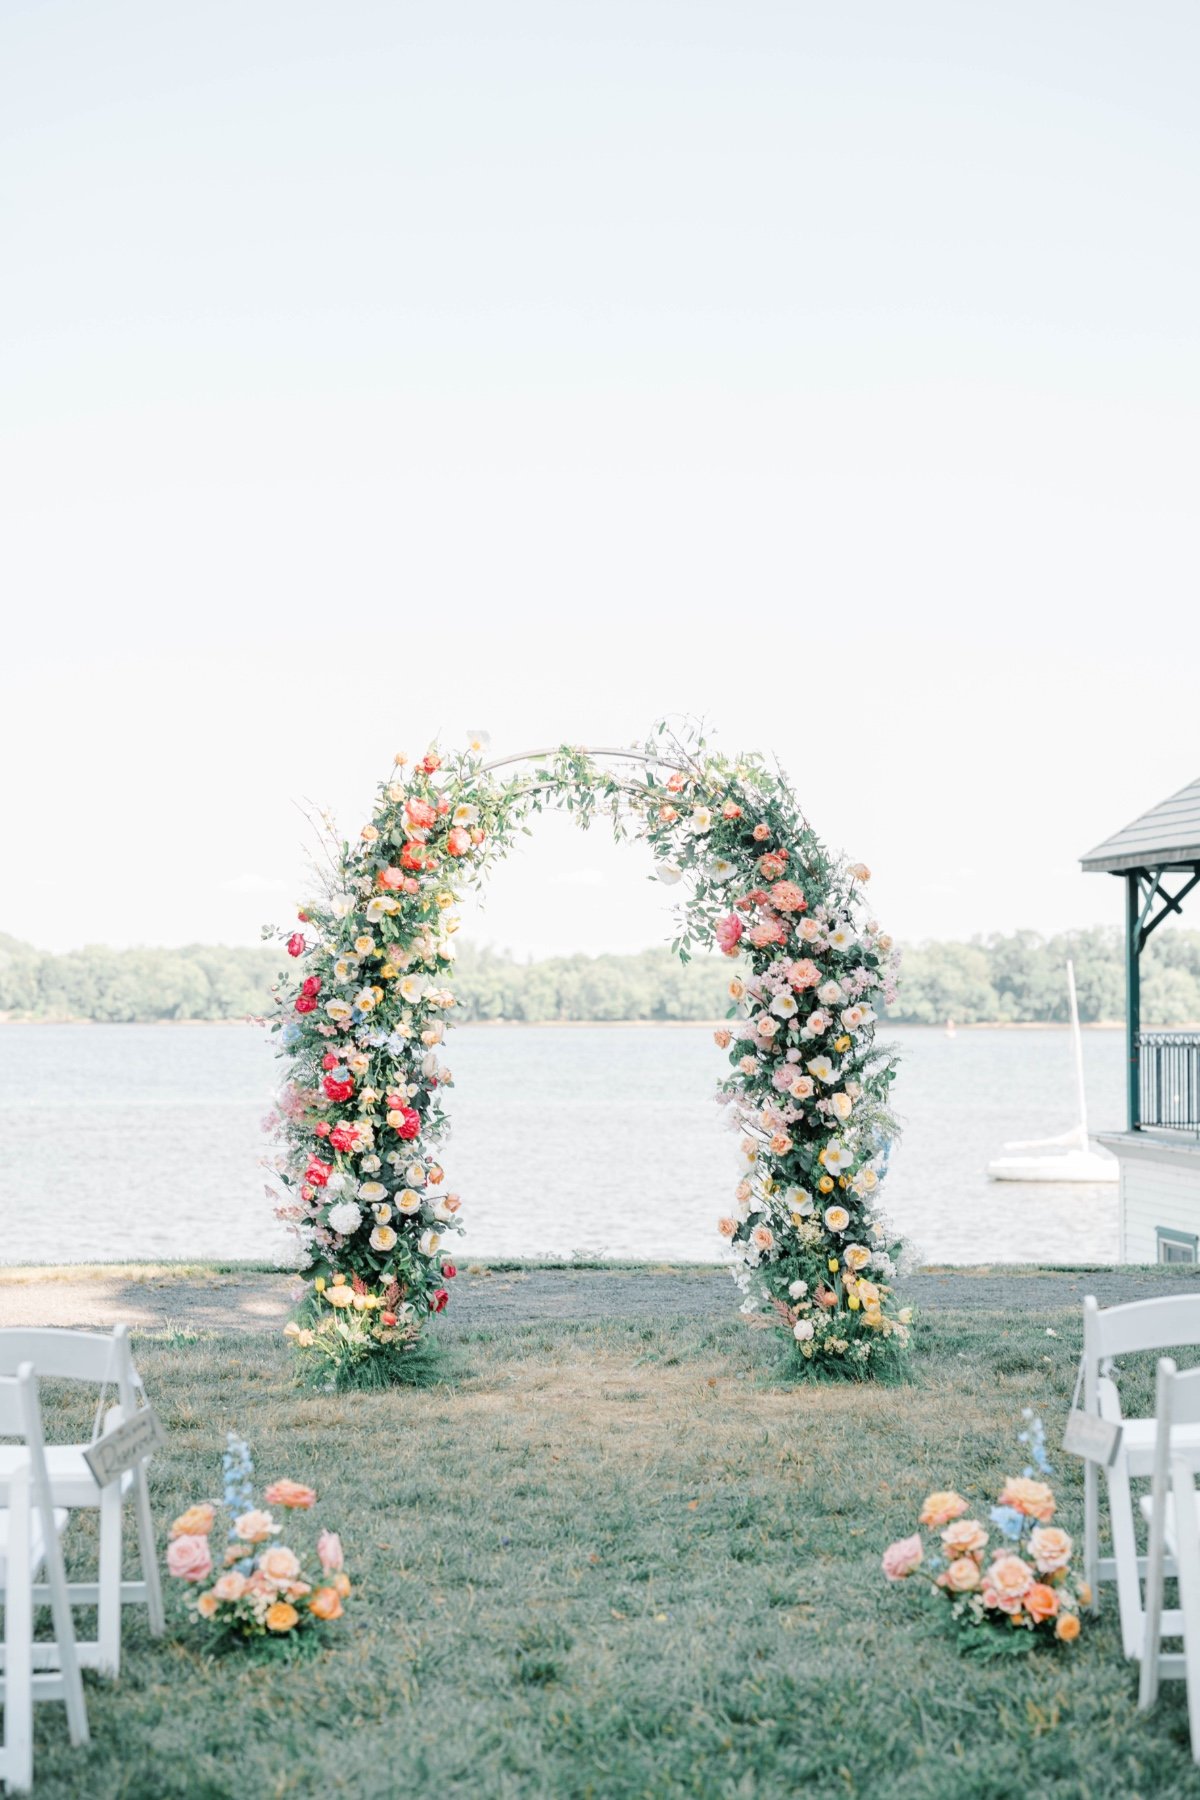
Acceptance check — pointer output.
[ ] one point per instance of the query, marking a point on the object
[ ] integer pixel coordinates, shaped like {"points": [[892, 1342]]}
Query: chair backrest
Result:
{"points": [[21, 1417], [86, 1356], [1141, 1325]]}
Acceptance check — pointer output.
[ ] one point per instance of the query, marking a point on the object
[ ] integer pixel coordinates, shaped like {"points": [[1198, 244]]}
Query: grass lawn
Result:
{"points": [[621, 1560]]}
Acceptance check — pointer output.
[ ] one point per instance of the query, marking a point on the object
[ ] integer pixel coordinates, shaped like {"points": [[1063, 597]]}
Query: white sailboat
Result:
{"points": [[1075, 1159]]}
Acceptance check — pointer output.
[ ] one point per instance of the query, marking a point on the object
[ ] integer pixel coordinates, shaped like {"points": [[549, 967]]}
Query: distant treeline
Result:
{"points": [[1017, 978]]}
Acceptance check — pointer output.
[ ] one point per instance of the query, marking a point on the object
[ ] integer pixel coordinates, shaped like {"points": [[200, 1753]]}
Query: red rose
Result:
{"points": [[387, 1318], [329, 1061], [448, 1271], [302, 915], [342, 1137], [410, 1122], [430, 763], [317, 1172], [338, 1090], [412, 856], [757, 896], [312, 985], [322, 1130], [440, 1297], [459, 841], [295, 944], [306, 1003]]}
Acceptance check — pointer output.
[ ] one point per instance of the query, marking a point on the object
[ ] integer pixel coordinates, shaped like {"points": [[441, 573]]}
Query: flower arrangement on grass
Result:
{"points": [[363, 1026], [1020, 1583], [258, 1590]]}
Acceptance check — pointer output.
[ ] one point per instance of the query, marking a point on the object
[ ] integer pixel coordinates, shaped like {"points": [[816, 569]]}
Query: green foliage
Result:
{"points": [[1016, 978], [1021, 978], [134, 986]]}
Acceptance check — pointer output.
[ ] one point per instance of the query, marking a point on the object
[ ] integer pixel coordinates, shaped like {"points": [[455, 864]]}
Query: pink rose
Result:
{"points": [[188, 1558], [902, 1558], [728, 933], [329, 1549], [962, 1575], [1050, 1548], [804, 973], [1006, 1582], [230, 1586]]}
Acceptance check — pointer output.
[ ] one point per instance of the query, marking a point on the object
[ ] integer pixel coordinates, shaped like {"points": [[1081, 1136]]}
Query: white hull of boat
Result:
{"points": [[1075, 1165]]}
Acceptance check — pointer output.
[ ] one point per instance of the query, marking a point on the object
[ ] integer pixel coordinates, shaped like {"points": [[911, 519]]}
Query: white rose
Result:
{"points": [[802, 1330], [428, 1243], [829, 993], [372, 1192], [798, 1289], [842, 1105]]}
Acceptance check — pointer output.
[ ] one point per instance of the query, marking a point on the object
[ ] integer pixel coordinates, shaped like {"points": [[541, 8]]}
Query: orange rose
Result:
{"points": [[289, 1493], [281, 1617], [1041, 1602], [206, 1605], [1033, 1498], [197, 1521], [1068, 1627], [941, 1507], [341, 1582], [326, 1603]]}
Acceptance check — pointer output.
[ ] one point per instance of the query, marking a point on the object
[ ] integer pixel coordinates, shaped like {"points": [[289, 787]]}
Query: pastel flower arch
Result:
{"points": [[363, 1023]]}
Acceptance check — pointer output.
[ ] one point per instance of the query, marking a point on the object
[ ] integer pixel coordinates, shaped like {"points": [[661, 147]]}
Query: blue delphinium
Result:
{"points": [[237, 1467]]}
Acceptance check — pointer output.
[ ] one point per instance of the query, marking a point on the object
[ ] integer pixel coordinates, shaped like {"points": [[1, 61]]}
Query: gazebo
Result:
{"points": [[1158, 859]]}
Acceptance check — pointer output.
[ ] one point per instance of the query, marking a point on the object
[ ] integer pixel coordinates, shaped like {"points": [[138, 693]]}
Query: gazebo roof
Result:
{"points": [[1166, 837]]}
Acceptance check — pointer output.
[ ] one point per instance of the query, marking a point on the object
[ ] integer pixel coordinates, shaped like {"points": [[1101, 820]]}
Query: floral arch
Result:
{"points": [[363, 1021]]}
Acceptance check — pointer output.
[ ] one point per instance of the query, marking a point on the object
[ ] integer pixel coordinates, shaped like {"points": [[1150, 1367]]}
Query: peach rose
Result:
{"points": [[280, 1565], [326, 1603], [281, 1617], [230, 1586], [902, 1558], [1007, 1582], [961, 1576], [341, 1584], [255, 1527], [722, 1038], [726, 1227], [1050, 1548], [1033, 1498], [206, 1605], [1068, 1627], [762, 1237], [197, 1521], [329, 1549], [941, 1507], [289, 1493], [189, 1558], [964, 1538], [1041, 1602]]}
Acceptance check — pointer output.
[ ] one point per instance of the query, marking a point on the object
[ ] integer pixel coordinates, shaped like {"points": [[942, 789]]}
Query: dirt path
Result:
{"points": [[169, 1300]]}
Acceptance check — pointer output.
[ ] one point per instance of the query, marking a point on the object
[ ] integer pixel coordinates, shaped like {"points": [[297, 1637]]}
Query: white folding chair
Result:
{"points": [[1177, 1408], [29, 1534], [1123, 1331], [102, 1362]]}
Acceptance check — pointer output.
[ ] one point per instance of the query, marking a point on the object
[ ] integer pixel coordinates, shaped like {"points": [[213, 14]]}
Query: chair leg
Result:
{"points": [[1125, 1554], [108, 1632], [18, 1651], [1091, 1533], [148, 1552]]}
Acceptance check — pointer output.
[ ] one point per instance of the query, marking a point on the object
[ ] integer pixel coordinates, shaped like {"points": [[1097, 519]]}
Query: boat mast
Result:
{"points": [[1077, 1045]]}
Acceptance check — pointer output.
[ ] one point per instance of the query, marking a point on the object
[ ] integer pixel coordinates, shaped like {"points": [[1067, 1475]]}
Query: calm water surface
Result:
{"points": [[124, 1141]]}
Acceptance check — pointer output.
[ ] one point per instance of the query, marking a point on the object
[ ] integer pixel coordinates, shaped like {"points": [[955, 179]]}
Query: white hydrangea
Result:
{"points": [[345, 1217]]}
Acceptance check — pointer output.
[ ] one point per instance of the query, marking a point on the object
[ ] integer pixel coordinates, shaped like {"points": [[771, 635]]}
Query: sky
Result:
{"points": [[371, 372]]}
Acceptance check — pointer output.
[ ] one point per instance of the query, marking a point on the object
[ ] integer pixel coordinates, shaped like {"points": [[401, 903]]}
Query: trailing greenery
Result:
{"points": [[614, 1561], [1013, 978]]}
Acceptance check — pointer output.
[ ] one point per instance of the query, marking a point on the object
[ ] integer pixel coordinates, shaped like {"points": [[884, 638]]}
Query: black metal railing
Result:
{"points": [[1169, 1065]]}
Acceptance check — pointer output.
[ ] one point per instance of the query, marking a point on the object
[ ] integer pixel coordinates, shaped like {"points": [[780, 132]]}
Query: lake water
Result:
{"points": [[121, 1141]]}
